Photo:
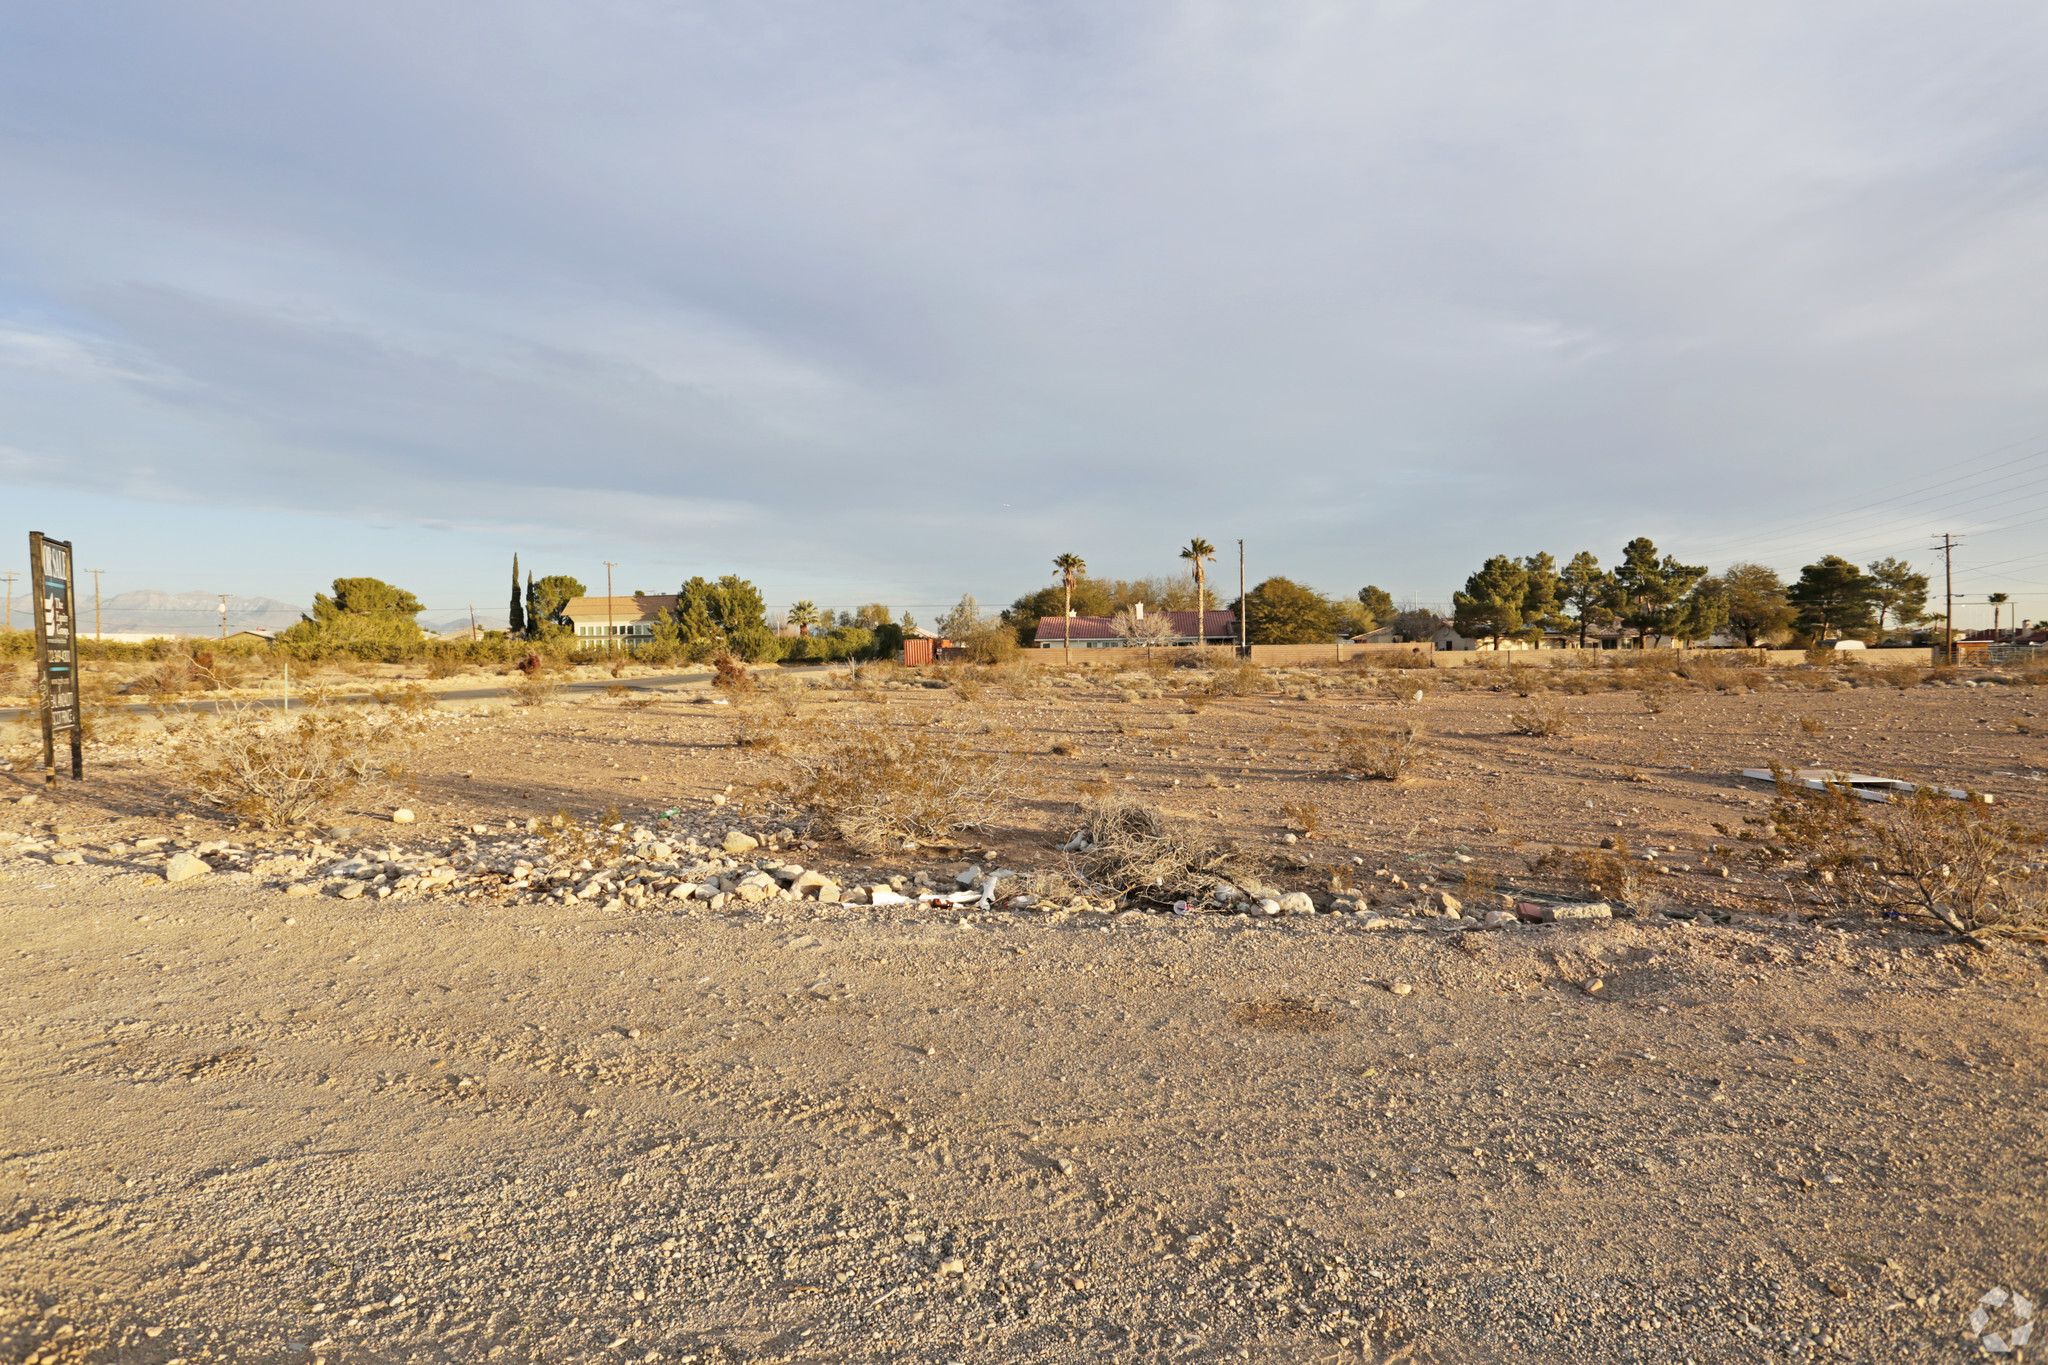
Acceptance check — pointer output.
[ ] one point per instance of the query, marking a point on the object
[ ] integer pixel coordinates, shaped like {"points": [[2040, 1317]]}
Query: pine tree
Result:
{"points": [[1491, 604], [517, 624]]}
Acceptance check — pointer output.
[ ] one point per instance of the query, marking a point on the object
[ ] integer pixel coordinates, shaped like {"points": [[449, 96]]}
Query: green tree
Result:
{"points": [[1416, 624], [1542, 604], [517, 624], [729, 614], [1070, 567], [1833, 597], [803, 615], [1706, 610], [1899, 593], [1023, 615], [545, 600], [1650, 593], [366, 618], [1586, 591], [1198, 552], [873, 615], [1377, 604], [1757, 609], [1490, 607], [1280, 611]]}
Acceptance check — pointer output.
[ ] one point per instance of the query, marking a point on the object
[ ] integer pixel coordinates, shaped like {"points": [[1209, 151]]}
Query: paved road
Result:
{"points": [[670, 684]]}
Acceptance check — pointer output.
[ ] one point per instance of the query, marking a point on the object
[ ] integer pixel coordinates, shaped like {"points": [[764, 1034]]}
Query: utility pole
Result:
{"points": [[1948, 593], [609, 641], [95, 603], [472, 623], [1243, 647], [223, 618], [10, 598]]}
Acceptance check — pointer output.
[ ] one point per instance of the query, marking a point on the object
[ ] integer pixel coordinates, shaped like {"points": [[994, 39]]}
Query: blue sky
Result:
{"points": [[897, 302]]}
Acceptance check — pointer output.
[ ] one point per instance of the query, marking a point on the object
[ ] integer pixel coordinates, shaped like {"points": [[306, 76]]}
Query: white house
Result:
{"points": [[616, 622]]}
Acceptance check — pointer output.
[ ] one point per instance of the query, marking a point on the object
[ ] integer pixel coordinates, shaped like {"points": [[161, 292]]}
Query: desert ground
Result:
{"points": [[560, 1070]]}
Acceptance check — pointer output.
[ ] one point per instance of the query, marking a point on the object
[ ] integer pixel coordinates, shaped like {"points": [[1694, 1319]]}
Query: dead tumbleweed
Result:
{"points": [[1129, 848]]}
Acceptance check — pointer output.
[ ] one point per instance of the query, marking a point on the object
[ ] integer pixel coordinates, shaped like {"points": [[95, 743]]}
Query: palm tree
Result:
{"points": [[803, 615], [1197, 551], [1071, 566], [1997, 601]]}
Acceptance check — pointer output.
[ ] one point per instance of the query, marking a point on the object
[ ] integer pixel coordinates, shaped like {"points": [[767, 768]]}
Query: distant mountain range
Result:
{"points": [[183, 613]]}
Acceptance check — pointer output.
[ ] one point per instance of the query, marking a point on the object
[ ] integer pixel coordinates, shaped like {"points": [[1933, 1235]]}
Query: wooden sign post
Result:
{"points": [[52, 592]]}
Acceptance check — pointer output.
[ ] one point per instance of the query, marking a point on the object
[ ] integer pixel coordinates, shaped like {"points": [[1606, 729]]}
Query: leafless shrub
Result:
{"points": [[1655, 700], [1383, 752], [1305, 816], [1240, 679], [1959, 864], [1284, 1015], [730, 674], [276, 769], [1600, 873], [1135, 848], [535, 687], [411, 699], [1898, 675], [1544, 722], [1813, 725], [876, 786]]}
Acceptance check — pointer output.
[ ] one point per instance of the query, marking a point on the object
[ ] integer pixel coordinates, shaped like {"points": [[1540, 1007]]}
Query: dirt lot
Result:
{"points": [[472, 1112]]}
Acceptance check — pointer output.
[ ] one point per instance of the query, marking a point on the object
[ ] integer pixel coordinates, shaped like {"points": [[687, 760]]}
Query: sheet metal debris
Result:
{"points": [[1863, 784]]}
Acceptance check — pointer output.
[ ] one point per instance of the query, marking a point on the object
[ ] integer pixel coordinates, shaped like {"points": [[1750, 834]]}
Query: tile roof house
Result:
{"points": [[627, 621], [1099, 632]]}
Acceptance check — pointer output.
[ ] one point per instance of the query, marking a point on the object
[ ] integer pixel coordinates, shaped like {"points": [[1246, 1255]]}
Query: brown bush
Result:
{"points": [[730, 673], [1544, 722], [1594, 872], [1383, 752], [1135, 849], [276, 769], [1305, 816], [1960, 864], [876, 786]]}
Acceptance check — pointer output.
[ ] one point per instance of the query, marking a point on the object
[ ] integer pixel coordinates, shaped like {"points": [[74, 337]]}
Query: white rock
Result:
{"points": [[1296, 903], [737, 842], [402, 816], [183, 867], [298, 889], [1269, 907]]}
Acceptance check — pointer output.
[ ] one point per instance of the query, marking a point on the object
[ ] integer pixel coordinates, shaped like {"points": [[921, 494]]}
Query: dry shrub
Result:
{"points": [[1134, 848], [617, 691], [441, 665], [1544, 722], [1384, 752], [1599, 873], [969, 688], [1579, 682], [1754, 679], [277, 769], [1655, 700], [1305, 816], [876, 786], [411, 699], [1813, 725], [1958, 863], [730, 674], [535, 687], [1284, 1015], [1240, 679], [1897, 675]]}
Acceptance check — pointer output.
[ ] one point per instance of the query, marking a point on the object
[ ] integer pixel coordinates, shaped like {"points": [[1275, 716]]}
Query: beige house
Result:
{"points": [[616, 622]]}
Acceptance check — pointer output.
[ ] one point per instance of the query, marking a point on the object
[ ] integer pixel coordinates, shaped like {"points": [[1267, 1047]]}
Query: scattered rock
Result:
{"points": [[1595, 985], [1449, 905], [183, 867], [1269, 906], [1297, 903], [67, 859], [1400, 988], [402, 816], [298, 889], [350, 891], [736, 842]]}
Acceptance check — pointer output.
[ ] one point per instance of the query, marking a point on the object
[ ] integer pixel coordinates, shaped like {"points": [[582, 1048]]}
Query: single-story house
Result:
{"points": [[1218, 627], [615, 622]]}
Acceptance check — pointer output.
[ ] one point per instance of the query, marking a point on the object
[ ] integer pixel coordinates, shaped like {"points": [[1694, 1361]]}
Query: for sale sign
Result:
{"points": [[52, 591]]}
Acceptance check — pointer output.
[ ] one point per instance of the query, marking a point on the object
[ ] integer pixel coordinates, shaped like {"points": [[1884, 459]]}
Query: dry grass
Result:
{"points": [[1813, 725], [1284, 1015], [878, 786], [535, 687], [1382, 752], [1305, 816], [1544, 722]]}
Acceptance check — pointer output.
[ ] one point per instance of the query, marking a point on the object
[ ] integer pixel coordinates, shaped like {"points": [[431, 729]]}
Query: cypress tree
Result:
{"points": [[517, 624], [532, 607]]}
